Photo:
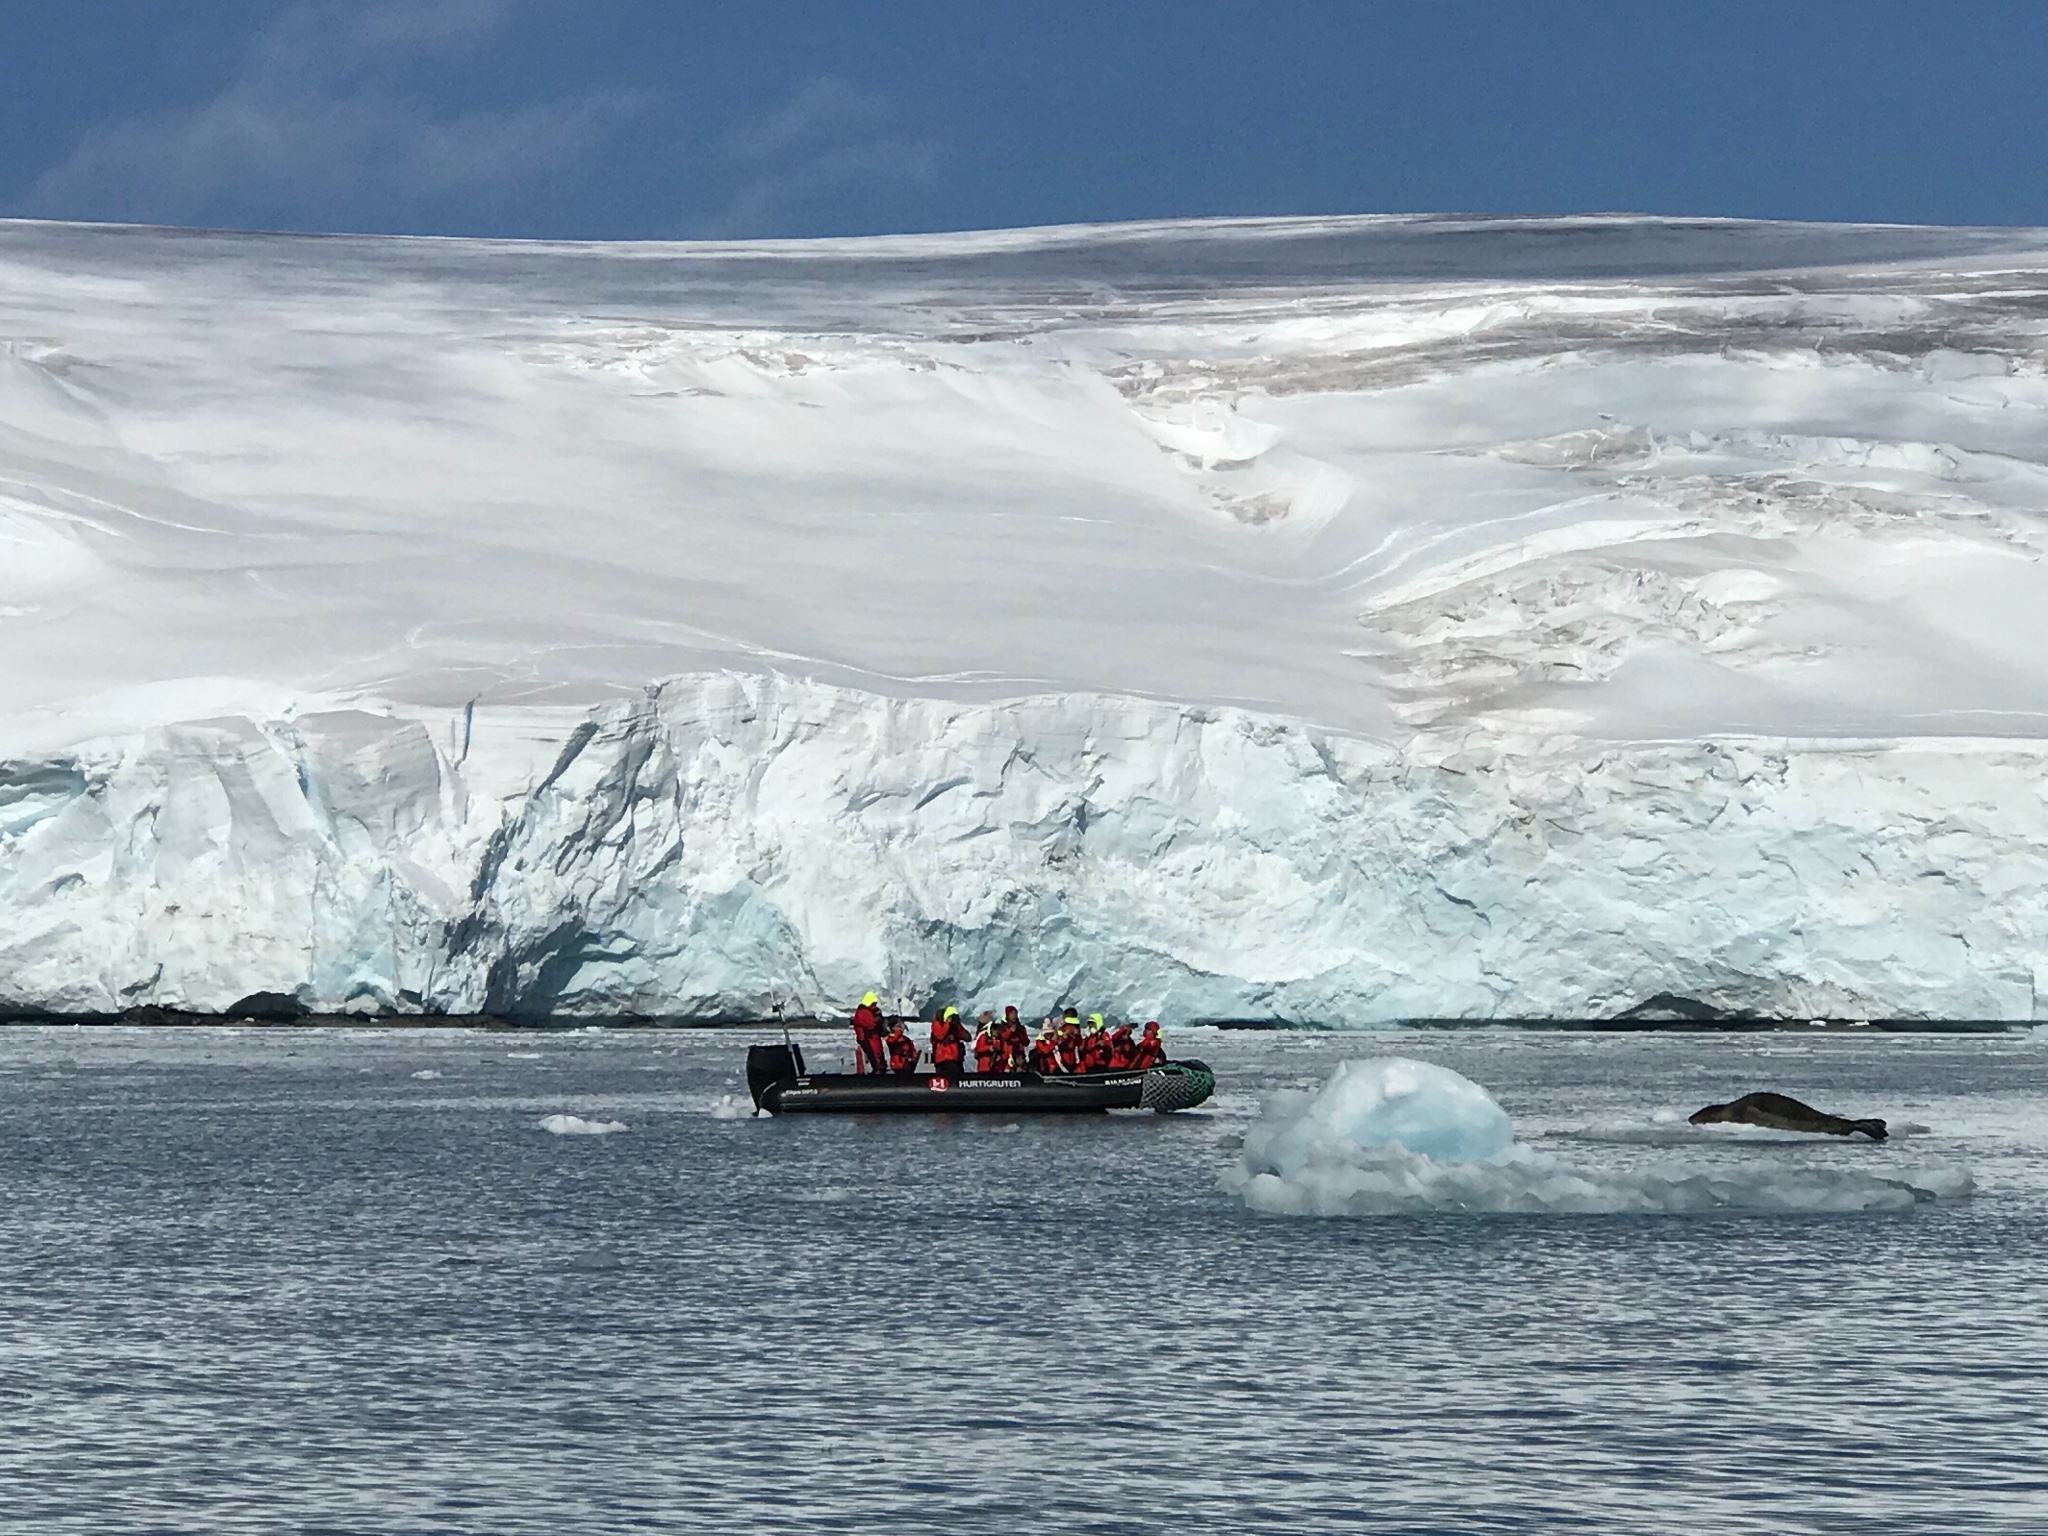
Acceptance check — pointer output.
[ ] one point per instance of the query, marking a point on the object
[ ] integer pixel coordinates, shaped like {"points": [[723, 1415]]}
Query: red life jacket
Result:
{"points": [[985, 1054], [1068, 1042], [1150, 1051], [1045, 1057], [867, 1038], [1016, 1040], [949, 1042], [1122, 1048], [1094, 1051], [902, 1053]]}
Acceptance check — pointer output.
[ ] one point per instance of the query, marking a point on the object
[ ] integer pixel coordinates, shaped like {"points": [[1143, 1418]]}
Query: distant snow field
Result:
{"points": [[1330, 621]]}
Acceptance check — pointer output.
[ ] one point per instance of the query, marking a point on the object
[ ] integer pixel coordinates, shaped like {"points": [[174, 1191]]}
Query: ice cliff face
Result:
{"points": [[1327, 621], [737, 841]]}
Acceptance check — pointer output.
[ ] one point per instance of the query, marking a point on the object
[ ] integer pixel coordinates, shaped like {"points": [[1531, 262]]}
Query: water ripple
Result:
{"points": [[247, 1295]]}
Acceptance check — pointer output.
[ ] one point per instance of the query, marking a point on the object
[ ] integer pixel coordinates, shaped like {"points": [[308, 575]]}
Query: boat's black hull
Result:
{"points": [[783, 1089]]}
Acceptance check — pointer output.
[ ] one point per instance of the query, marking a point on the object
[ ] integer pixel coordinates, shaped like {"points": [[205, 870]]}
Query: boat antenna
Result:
{"points": [[779, 1019]]}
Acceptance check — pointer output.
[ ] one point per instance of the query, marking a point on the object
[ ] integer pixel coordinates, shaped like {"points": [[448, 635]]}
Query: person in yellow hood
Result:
{"points": [[1094, 1051], [949, 1043], [869, 1053]]}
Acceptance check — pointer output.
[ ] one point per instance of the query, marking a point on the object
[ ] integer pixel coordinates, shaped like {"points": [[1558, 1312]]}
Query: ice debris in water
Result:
{"points": [[576, 1125], [1669, 1130], [426, 1074], [730, 1107], [1392, 1136]]}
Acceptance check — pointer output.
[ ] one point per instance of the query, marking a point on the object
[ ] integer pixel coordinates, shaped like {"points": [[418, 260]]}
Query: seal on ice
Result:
{"points": [[1781, 1113]]}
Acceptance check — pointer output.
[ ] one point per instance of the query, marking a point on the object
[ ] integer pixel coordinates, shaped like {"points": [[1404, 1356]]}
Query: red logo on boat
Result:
{"points": [[938, 1085]]}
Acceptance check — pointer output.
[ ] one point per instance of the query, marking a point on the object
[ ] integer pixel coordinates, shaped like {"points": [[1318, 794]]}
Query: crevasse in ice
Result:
{"points": [[738, 841]]}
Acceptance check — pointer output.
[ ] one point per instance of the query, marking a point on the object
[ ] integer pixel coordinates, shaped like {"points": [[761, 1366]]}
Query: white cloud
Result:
{"points": [[337, 117], [402, 21], [319, 120], [826, 137]]}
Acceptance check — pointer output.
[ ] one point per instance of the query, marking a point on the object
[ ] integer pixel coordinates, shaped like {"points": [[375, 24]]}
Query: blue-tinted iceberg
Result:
{"points": [[1388, 1102]]}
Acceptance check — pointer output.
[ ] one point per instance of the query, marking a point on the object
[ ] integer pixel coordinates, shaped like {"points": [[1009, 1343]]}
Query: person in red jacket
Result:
{"points": [[949, 1043], [902, 1049], [1068, 1040], [1094, 1051], [1045, 1053], [1151, 1050], [1122, 1048], [988, 1050], [868, 1054], [1015, 1040]]}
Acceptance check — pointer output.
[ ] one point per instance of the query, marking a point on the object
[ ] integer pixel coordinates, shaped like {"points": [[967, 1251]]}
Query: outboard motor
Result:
{"points": [[772, 1066]]}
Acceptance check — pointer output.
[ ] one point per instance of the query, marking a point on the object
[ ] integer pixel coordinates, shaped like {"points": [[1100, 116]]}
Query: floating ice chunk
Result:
{"points": [[1387, 1181], [576, 1125], [1389, 1101], [426, 1074], [1658, 1132], [1665, 1129], [1392, 1137], [731, 1107]]}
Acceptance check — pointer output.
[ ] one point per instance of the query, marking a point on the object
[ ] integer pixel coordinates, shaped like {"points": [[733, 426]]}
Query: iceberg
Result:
{"points": [[1294, 621], [1391, 1137], [1388, 1102], [576, 1125]]}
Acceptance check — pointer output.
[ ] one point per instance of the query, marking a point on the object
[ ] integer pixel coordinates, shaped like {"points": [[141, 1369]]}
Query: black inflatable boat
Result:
{"points": [[779, 1084]]}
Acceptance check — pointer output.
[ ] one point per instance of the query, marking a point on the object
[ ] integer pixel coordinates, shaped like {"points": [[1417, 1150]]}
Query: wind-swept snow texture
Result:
{"points": [[1331, 621]]}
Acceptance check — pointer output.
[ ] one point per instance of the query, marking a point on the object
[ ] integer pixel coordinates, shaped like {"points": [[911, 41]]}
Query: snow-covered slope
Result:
{"points": [[1332, 620]]}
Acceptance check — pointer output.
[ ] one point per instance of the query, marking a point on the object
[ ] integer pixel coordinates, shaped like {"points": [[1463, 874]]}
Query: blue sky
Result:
{"points": [[666, 118]]}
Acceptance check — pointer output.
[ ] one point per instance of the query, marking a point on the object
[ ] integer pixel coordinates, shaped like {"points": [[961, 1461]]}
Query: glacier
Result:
{"points": [[1326, 621]]}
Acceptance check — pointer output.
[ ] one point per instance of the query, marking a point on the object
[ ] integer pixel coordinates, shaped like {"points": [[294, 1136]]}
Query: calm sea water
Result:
{"points": [[288, 1281]]}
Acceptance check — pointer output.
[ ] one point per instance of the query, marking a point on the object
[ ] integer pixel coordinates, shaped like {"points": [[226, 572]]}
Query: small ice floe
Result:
{"points": [[1676, 1131], [426, 1074], [730, 1106], [522, 1055], [1392, 1136], [576, 1125], [1666, 1128]]}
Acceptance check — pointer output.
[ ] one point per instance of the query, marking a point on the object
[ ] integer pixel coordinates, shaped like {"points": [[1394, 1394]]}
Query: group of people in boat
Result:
{"points": [[1064, 1043]]}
